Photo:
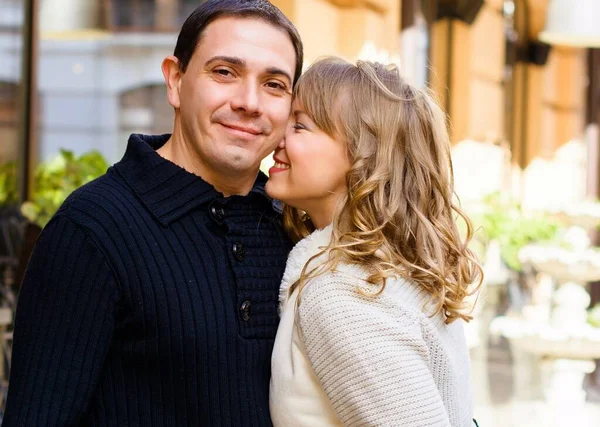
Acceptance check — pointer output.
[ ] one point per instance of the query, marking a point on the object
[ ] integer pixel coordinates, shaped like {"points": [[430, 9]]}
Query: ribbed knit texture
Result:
{"points": [[381, 361], [132, 309]]}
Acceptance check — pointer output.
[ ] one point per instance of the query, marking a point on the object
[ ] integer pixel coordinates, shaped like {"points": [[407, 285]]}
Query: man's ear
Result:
{"points": [[173, 74]]}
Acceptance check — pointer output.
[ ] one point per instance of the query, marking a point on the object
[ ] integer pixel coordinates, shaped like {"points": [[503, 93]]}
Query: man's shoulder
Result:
{"points": [[99, 200]]}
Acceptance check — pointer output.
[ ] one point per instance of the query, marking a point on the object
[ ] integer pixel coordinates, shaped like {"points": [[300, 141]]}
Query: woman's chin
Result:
{"points": [[273, 191]]}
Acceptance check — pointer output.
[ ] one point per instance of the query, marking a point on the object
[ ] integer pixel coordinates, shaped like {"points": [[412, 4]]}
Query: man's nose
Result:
{"points": [[247, 99]]}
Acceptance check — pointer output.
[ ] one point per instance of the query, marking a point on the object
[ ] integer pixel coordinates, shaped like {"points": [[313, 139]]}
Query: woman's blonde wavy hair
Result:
{"points": [[398, 217]]}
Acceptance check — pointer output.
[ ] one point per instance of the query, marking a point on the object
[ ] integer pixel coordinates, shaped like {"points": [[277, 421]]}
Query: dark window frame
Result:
{"points": [[179, 13]]}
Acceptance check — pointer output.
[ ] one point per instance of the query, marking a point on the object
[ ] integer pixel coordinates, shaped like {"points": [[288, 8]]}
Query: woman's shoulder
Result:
{"points": [[338, 304], [345, 292]]}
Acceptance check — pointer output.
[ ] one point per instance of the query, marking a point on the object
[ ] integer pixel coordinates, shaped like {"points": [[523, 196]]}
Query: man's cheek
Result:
{"points": [[278, 135], [282, 124]]}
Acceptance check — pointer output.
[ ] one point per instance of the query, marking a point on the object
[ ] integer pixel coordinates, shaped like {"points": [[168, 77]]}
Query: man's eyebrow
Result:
{"points": [[279, 72], [230, 59]]}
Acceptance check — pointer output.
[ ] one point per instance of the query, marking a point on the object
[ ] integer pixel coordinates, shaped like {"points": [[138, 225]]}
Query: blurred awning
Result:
{"points": [[572, 23]]}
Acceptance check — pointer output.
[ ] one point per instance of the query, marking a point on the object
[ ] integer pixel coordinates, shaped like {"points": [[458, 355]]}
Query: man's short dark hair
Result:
{"points": [[210, 10]]}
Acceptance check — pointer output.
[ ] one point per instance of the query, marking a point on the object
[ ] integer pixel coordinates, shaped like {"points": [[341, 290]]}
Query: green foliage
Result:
{"points": [[8, 184], [594, 316], [506, 222], [56, 179]]}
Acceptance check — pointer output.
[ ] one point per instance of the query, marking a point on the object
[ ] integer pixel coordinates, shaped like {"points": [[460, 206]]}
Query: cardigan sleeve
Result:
{"points": [[63, 329], [370, 359]]}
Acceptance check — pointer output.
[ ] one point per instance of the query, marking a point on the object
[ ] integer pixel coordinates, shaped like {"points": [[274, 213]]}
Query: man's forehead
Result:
{"points": [[253, 40]]}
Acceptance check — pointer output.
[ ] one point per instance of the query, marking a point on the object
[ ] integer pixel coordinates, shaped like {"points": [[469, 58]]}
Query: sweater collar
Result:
{"points": [[166, 189], [406, 292], [302, 252]]}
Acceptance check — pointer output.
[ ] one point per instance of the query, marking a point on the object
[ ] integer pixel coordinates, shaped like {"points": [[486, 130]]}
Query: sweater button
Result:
{"points": [[239, 251], [245, 310], [217, 212]]}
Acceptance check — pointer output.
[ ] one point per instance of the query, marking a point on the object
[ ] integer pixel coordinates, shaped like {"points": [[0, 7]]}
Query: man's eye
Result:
{"points": [[222, 72], [276, 85]]}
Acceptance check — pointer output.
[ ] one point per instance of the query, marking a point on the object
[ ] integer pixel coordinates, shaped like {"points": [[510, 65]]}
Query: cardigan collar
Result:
{"points": [[405, 292], [302, 252], [167, 190]]}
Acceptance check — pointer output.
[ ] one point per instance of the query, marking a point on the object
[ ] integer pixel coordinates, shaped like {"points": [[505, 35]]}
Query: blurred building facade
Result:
{"points": [[98, 72], [502, 87], [11, 16], [99, 77], [98, 62]]}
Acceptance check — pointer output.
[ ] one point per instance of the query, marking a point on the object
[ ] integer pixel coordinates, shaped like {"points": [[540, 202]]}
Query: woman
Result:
{"points": [[373, 297]]}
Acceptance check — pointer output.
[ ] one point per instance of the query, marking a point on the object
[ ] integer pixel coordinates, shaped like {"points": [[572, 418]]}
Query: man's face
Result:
{"points": [[234, 97]]}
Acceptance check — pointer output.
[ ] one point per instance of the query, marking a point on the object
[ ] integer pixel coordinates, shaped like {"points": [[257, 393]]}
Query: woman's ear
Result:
{"points": [[173, 75]]}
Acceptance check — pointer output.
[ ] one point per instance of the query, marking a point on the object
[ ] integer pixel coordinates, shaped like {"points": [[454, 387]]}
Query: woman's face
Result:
{"points": [[310, 169]]}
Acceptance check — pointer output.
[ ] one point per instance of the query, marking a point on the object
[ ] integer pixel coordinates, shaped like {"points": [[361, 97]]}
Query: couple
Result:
{"points": [[154, 296]]}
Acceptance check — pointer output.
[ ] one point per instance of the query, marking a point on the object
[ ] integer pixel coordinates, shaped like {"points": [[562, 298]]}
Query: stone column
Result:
{"points": [[467, 73]]}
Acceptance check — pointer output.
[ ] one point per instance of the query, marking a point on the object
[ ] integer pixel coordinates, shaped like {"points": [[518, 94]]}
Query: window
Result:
{"points": [[8, 122], [148, 15], [145, 110], [11, 15]]}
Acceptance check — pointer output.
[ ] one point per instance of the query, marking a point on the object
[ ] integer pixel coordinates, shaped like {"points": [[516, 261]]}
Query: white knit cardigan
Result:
{"points": [[347, 359]]}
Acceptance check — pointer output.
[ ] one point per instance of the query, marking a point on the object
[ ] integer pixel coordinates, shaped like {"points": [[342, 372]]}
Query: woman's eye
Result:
{"points": [[298, 126]]}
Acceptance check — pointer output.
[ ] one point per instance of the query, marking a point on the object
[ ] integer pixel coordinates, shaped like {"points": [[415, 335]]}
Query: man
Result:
{"points": [[151, 297]]}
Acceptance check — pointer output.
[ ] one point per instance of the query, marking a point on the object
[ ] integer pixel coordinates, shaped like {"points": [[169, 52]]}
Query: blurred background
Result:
{"points": [[519, 79]]}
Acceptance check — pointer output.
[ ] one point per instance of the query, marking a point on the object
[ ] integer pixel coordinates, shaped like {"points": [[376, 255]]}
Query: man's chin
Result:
{"points": [[238, 160], [239, 165]]}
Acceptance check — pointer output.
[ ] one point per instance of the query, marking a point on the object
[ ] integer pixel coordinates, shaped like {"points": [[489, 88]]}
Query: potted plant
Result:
{"points": [[54, 180], [504, 221], [8, 185]]}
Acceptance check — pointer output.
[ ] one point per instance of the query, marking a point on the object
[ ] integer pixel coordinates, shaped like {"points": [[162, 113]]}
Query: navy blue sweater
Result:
{"points": [[149, 300]]}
